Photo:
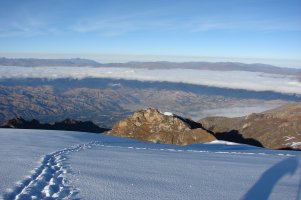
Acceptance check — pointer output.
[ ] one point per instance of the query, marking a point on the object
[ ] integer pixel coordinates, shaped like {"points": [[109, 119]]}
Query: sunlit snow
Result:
{"points": [[67, 165]]}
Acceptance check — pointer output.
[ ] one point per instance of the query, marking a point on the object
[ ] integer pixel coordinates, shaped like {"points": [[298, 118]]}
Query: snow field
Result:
{"points": [[38, 164]]}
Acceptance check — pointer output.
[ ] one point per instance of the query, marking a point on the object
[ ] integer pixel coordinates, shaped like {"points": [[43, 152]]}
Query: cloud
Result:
{"points": [[120, 24], [106, 27], [241, 23], [27, 27], [225, 79]]}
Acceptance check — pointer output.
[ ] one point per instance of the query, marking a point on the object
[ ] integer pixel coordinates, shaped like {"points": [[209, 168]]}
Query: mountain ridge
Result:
{"points": [[199, 65], [279, 128]]}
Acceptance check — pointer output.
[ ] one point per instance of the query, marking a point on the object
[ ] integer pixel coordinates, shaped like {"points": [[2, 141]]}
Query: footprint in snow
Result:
{"points": [[49, 180]]}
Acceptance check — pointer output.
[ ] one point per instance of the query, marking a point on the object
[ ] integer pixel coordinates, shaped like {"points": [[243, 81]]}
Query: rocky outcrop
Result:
{"points": [[67, 124], [166, 128], [277, 129]]}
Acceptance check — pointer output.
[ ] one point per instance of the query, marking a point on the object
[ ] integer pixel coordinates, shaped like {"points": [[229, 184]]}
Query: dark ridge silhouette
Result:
{"points": [[235, 136], [289, 149], [66, 83], [67, 125], [191, 123]]}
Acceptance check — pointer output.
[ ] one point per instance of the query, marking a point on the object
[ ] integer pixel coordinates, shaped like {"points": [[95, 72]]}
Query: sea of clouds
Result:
{"points": [[225, 79]]}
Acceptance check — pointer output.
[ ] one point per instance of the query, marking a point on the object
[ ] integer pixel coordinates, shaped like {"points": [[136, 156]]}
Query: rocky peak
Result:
{"points": [[153, 125], [164, 121]]}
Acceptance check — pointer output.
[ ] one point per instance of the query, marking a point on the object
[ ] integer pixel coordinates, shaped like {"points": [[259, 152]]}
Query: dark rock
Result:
{"points": [[67, 124]]}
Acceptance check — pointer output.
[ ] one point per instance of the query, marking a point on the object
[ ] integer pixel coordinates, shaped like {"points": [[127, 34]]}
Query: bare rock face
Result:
{"points": [[279, 128], [153, 126]]}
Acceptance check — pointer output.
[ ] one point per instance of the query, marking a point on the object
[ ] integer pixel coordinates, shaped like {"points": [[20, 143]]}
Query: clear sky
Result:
{"points": [[259, 29]]}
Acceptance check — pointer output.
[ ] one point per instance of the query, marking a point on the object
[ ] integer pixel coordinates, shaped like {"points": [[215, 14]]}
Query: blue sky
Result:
{"points": [[259, 29]]}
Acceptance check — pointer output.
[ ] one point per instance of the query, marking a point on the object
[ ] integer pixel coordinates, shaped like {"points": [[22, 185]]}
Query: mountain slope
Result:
{"points": [[277, 129], [154, 126]]}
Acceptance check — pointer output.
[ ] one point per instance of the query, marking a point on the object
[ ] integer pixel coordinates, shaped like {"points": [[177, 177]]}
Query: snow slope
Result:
{"points": [[67, 165]]}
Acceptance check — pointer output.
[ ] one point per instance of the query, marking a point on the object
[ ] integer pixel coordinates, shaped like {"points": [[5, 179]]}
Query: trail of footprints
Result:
{"points": [[49, 180]]}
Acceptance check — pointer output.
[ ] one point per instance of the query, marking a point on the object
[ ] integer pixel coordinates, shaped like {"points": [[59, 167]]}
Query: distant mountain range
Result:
{"points": [[34, 62], [216, 66]]}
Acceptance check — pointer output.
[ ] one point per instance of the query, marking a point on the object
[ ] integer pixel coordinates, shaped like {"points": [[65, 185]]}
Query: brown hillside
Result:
{"points": [[277, 129]]}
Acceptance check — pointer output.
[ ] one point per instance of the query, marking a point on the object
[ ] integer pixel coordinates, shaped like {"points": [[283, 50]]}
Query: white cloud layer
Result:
{"points": [[232, 79]]}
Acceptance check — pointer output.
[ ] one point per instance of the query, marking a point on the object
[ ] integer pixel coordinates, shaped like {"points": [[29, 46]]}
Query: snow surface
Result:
{"points": [[222, 142], [67, 165], [296, 145], [168, 113]]}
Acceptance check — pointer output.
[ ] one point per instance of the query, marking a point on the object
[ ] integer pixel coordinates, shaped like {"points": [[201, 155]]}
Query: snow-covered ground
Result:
{"points": [[56, 165]]}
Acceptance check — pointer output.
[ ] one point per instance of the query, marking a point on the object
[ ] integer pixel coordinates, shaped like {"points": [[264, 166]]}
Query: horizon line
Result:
{"points": [[106, 58]]}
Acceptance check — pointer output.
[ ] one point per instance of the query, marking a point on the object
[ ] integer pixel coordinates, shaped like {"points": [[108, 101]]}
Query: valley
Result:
{"points": [[106, 101]]}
